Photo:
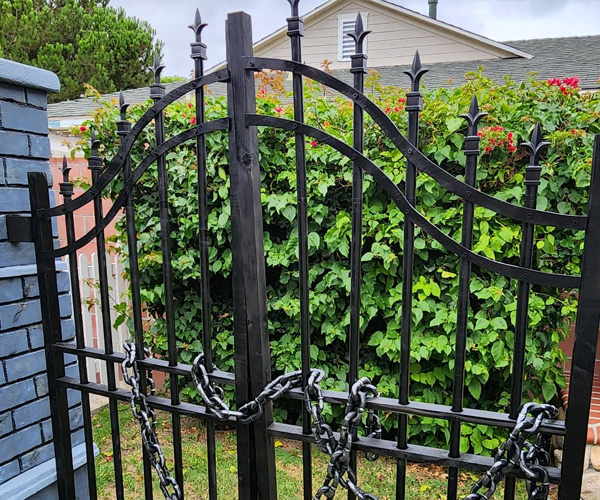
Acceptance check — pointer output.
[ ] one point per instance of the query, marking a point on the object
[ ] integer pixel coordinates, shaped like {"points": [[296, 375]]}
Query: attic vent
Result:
{"points": [[346, 24]]}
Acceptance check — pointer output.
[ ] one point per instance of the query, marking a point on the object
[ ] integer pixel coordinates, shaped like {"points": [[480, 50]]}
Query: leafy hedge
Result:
{"points": [[568, 118]]}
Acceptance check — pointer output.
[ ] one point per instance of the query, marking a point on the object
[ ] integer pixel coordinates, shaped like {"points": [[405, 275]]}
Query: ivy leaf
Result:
{"points": [[454, 124], [548, 390], [314, 240], [499, 323]]}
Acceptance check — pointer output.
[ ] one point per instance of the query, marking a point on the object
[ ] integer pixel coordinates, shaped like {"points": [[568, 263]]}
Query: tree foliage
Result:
{"points": [[568, 119], [82, 41]]}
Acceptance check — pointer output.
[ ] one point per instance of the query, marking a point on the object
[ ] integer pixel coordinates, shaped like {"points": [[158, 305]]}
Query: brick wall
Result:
{"points": [[25, 427]]}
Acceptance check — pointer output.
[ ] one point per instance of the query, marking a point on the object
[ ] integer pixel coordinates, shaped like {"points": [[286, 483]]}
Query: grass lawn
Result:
{"points": [[424, 482]]}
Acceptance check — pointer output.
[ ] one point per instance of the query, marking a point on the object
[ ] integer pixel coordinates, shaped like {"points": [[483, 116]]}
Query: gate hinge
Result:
{"points": [[18, 229]]}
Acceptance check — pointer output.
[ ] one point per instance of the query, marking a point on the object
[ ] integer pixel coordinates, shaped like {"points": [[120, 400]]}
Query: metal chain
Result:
{"points": [[147, 419], [212, 395], [339, 472], [518, 453]]}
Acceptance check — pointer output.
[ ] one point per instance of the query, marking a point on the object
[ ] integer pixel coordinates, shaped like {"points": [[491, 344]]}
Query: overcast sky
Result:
{"points": [[497, 19]]}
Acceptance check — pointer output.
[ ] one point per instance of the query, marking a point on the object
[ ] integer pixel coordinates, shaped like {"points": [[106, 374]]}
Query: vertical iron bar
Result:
{"points": [[55, 366], [296, 32], [358, 68], [256, 452], [66, 190], [123, 128], [464, 282], [157, 92], [95, 165], [532, 181], [199, 56], [414, 104], [584, 350]]}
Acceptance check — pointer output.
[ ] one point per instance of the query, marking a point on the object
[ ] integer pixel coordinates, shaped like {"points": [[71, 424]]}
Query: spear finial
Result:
{"points": [[536, 145], [157, 67], [294, 5], [198, 26], [359, 34], [122, 106], [474, 116], [66, 187], [65, 169], [416, 72]]}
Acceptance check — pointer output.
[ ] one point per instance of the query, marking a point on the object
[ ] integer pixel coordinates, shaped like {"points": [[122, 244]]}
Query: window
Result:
{"points": [[346, 23]]}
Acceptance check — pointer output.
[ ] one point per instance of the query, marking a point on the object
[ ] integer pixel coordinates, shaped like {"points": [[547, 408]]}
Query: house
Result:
{"points": [[397, 32]]}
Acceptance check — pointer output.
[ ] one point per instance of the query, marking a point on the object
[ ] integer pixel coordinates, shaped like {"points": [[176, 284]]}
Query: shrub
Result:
{"points": [[568, 118]]}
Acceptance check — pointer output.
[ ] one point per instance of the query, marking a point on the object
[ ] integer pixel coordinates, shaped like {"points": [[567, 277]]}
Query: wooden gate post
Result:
{"points": [[256, 453], [55, 366], [584, 349]]}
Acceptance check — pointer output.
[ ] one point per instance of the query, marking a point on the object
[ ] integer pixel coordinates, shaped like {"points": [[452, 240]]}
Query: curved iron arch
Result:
{"points": [[116, 163], [509, 270], [416, 157], [202, 129]]}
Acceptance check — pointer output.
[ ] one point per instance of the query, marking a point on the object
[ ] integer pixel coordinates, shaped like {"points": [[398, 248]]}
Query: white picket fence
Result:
{"points": [[89, 279]]}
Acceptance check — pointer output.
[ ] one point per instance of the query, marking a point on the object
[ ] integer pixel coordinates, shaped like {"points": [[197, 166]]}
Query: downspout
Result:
{"points": [[433, 9]]}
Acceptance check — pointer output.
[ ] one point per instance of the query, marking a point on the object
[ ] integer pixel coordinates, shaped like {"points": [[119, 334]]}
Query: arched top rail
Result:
{"points": [[116, 164], [509, 270], [416, 157], [204, 128]]}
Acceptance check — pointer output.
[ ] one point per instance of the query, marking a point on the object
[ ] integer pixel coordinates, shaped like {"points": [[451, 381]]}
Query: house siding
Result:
{"points": [[393, 40]]}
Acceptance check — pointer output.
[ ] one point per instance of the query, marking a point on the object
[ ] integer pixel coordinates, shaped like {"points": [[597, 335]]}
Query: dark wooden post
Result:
{"points": [[584, 350], [55, 366], [256, 452]]}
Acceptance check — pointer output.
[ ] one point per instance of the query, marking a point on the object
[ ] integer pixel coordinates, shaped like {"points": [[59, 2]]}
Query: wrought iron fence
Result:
{"points": [[252, 375]]}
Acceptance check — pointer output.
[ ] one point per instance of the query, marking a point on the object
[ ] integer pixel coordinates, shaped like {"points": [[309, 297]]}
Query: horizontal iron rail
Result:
{"points": [[154, 155], [155, 402], [509, 270], [424, 164], [116, 164], [160, 365], [381, 446], [412, 452], [443, 412]]}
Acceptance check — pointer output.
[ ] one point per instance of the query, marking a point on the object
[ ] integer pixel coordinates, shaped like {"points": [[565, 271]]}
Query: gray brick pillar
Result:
{"points": [[26, 452]]}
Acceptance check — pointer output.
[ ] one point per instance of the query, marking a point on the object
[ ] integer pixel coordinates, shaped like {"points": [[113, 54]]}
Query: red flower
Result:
{"points": [[326, 123], [82, 128], [193, 120], [387, 110], [313, 143], [511, 149], [396, 110], [279, 109], [262, 91], [510, 136], [190, 105], [402, 100]]}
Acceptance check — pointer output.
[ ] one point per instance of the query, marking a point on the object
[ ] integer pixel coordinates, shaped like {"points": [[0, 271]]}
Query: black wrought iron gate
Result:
{"points": [[255, 426]]}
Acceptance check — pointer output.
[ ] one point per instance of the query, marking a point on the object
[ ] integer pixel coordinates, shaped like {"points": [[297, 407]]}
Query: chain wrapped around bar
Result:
{"points": [[338, 470], [518, 453], [212, 395], [147, 419]]}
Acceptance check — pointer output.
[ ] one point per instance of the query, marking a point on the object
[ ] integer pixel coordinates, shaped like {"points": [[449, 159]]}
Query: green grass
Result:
{"points": [[424, 482]]}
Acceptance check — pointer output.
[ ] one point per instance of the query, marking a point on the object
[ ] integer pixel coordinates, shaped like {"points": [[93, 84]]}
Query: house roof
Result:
{"points": [[281, 33], [552, 57]]}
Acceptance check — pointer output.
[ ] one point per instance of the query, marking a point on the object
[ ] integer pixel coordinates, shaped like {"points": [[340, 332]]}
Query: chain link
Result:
{"points": [[147, 419], [339, 472], [518, 453]]}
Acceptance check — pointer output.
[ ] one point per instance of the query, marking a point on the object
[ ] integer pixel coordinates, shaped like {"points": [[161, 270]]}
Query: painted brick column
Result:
{"points": [[26, 451]]}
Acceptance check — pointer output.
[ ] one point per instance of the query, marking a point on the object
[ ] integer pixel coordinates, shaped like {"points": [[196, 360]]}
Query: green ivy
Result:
{"points": [[569, 120]]}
